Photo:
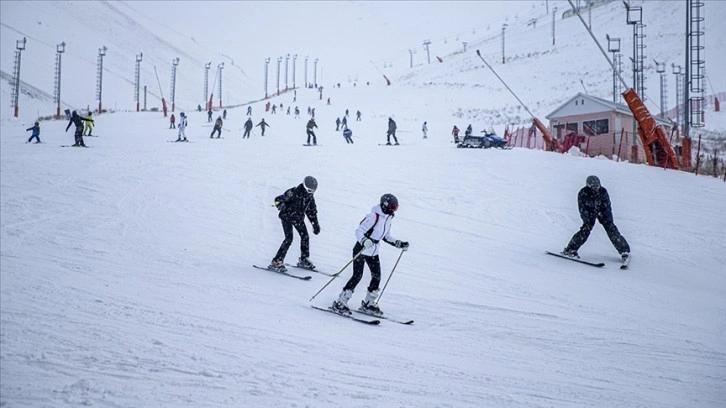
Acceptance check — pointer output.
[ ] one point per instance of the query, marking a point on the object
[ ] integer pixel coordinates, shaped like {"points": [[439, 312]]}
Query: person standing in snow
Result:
{"points": [[88, 124], [455, 132], [217, 128], [309, 130], [182, 128], [468, 131], [209, 115], [344, 122], [172, 122], [249, 111], [77, 120], [263, 125], [391, 131], [224, 114], [36, 133], [357, 116], [293, 205], [424, 129], [248, 128], [374, 228], [337, 124], [593, 202]]}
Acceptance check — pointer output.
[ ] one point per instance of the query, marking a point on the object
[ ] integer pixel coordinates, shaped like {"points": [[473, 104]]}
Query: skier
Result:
{"points": [[455, 132], [297, 112], [344, 122], [217, 128], [78, 121], [348, 135], [36, 133], [88, 125], [468, 131], [248, 128], [357, 116], [172, 122], [374, 228], [337, 124], [424, 129], [199, 108], [209, 115], [294, 204], [593, 202], [249, 111], [274, 109], [224, 114], [262, 125], [391, 131], [309, 130], [182, 126]]}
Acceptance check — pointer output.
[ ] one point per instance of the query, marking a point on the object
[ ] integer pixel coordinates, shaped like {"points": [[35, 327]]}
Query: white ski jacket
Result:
{"points": [[376, 226]]}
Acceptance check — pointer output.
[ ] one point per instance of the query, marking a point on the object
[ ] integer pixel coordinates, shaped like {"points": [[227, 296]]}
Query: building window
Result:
{"points": [[596, 127], [571, 127], [559, 130]]}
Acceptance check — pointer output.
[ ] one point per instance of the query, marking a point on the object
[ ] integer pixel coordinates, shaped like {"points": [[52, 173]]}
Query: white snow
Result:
{"points": [[126, 277]]}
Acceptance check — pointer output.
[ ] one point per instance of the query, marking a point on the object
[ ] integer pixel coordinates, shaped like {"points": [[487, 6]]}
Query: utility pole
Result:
{"points": [[614, 47], [410, 58], [306, 71], [287, 63], [426, 44], [504, 28], [660, 68], [137, 80], [206, 84], [19, 47], [294, 59], [174, 64], [267, 63], [315, 73], [554, 12], [99, 77], [220, 67], [60, 49], [279, 60]]}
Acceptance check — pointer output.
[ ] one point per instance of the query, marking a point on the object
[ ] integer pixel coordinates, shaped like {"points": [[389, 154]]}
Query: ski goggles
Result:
{"points": [[309, 190]]}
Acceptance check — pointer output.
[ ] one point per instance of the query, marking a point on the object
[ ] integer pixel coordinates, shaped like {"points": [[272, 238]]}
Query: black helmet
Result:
{"points": [[181, 114], [36, 123], [389, 203], [310, 184], [593, 182]]}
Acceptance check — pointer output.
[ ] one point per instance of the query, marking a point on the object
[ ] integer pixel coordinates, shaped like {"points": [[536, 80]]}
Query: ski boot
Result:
{"points": [[340, 306], [625, 256], [369, 305], [570, 253], [277, 266], [305, 264]]}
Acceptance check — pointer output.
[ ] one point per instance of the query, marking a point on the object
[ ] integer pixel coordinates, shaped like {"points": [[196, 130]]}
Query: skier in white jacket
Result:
{"points": [[374, 228], [182, 128]]}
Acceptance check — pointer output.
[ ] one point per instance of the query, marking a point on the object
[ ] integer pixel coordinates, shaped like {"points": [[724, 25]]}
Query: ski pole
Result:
{"points": [[336, 274], [389, 276]]}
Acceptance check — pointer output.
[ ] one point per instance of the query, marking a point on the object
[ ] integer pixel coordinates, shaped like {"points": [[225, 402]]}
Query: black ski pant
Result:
{"points": [[311, 133], [374, 264], [391, 133], [79, 136], [216, 130], [247, 133], [621, 245], [287, 226]]}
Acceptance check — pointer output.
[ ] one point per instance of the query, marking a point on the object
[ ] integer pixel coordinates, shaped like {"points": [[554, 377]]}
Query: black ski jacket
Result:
{"points": [[295, 203], [594, 204]]}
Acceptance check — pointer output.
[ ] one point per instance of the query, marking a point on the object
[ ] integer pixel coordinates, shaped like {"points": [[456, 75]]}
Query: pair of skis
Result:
{"points": [[623, 265], [363, 320]]}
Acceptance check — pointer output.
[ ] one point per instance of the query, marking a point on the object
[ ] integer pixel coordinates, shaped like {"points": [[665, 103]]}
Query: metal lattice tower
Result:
{"points": [[294, 59], [60, 49], [694, 65], [614, 47], [635, 18], [99, 77], [660, 68], [267, 63], [206, 82], [174, 64], [137, 81], [287, 64], [315, 72], [279, 60], [220, 67], [680, 112], [19, 47]]}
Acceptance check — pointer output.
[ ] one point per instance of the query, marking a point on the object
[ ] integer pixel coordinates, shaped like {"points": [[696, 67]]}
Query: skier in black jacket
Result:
{"points": [[294, 204], [594, 204], [78, 121]]}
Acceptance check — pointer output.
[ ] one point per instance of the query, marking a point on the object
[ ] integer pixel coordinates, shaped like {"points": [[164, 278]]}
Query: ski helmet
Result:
{"points": [[593, 182], [389, 203], [181, 114], [310, 184]]}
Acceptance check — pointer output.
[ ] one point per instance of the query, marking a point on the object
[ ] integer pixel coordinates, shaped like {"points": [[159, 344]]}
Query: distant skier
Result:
{"points": [[344, 122], [182, 128], [374, 228], [309, 130], [263, 125], [274, 109], [391, 131], [294, 204], [593, 202], [217, 128], [249, 111], [348, 135], [357, 116], [248, 128], [468, 131], [172, 122], [36, 133], [88, 124], [337, 124], [209, 115], [424, 130], [455, 133], [224, 114], [77, 120]]}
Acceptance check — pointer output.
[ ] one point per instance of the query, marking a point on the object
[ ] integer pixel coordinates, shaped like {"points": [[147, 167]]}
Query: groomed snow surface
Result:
{"points": [[127, 277]]}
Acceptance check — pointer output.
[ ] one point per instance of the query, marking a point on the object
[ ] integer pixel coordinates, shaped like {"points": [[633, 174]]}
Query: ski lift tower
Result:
{"points": [[206, 83], [220, 67], [99, 78], [695, 65], [60, 49], [614, 47], [137, 79], [678, 72], [267, 64], [19, 47], [660, 68], [174, 64]]}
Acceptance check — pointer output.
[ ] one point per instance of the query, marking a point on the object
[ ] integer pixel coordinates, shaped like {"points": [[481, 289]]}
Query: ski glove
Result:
{"points": [[402, 244], [367, 242], [316, 228]]}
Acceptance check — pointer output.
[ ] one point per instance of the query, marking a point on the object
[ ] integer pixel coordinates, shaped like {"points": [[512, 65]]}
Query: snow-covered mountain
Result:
{"points": [[126, 275]]}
